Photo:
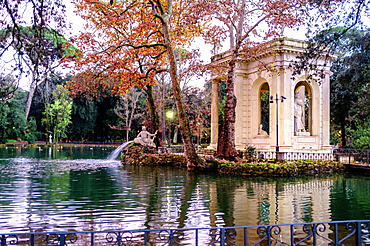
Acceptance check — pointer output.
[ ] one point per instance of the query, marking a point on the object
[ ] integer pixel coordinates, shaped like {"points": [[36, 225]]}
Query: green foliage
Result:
{"points": [[360, 135], [52, 39], [221, 103], [12, 117], [84, 118], [46, 121], [4, 122], [349, 99], [59, 112], [31, 131], [250, 152], [288, 168], [334, 135], [265, 108], [42, 99], [12, 141]]}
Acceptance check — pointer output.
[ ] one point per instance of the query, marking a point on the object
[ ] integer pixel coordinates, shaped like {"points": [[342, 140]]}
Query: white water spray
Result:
{"points": [[117, 151]]}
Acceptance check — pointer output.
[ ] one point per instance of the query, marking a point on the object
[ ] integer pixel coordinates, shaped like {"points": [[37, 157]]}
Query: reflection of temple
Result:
{"points": [[286, 203], [268, 203], [303, 116]]}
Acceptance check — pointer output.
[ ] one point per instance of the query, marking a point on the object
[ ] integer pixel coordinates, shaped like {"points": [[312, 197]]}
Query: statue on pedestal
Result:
{"points": [[145, 138], [262, 132], [298, 113]]}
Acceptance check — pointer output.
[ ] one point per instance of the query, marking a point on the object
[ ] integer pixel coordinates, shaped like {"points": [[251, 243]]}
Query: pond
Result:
{"points": [[77, 188]]}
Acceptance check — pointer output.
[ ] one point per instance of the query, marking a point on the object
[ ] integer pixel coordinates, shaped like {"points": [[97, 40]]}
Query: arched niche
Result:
{"points": [[303, 109], [260, 100], [264, 108]]}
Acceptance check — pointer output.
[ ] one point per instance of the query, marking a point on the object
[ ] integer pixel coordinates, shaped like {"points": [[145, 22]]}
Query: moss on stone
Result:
{"points": [[136, 155]]}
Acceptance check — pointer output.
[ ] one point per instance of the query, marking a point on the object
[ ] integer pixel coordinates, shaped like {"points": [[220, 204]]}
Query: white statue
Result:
{"points": [[145, 138], [262, 132], [50, 139], [298, 113]]}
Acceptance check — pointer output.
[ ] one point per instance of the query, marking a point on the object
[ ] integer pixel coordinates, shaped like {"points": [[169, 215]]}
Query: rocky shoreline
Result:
{"points": [[136, 155]]}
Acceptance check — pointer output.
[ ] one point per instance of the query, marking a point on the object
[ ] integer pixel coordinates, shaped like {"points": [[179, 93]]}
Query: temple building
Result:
{"points": [[273, 106]]}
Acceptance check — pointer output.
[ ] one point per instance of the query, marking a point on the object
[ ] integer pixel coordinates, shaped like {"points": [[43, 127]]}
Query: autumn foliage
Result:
{"points": [[123, 45], [126, 43]]}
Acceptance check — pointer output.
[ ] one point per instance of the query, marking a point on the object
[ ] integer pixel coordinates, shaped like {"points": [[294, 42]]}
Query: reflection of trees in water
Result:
{"points": [[350, 197], [225, 199], [163, 197]]}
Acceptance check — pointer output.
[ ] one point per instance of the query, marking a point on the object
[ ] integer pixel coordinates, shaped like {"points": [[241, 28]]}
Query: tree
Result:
{"points": [[30, 38], [241, 22], [351, 76], [42, 100], [137, 35], [126, 110], [8, 86], [59, 112], [31, 131], [360, 135], [343, 16], [161, 92], [12, 121], [197, 103], [84, 117], [163, 12]]}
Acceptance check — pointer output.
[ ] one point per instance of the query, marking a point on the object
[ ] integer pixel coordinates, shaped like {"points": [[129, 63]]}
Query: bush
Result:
{"points": [[360, 136], [31, 132], [289, 168], [250, 152]]}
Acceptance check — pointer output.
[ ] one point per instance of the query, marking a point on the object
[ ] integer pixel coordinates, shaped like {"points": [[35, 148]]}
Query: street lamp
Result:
{"points": [[277, 120], [169, 115]]}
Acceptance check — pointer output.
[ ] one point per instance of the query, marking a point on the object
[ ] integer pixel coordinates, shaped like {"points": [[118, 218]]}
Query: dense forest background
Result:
{"points": [[103, 118]]}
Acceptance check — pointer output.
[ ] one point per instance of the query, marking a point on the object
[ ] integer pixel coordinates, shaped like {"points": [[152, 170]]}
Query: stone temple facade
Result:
{"points": [[265, 88]]}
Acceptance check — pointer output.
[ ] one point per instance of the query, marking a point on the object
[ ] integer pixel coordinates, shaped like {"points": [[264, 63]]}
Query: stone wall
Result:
{"points": [[137, 155]]}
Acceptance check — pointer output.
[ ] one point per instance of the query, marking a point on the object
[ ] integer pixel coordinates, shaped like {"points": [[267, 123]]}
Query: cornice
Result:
{"points": [[276, 47]]}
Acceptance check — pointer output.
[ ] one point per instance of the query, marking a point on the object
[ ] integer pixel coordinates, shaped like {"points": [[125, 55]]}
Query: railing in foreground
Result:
{"points": [[325, 233]]}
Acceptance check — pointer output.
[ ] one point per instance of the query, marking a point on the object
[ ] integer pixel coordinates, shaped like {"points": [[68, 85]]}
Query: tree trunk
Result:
{"points": [[30, 94], [192, 159], [226, 140], [153, 113]]}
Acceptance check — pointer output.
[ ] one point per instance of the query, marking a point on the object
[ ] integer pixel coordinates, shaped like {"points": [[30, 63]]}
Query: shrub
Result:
{"points": [[360, 136]]}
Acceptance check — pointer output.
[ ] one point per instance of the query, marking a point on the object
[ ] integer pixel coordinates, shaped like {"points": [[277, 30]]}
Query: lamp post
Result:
{"points": [[169, 115], [277, 120]]}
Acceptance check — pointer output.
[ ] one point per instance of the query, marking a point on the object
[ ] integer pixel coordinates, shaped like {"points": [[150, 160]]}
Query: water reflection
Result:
{"points": [[77, 189]]}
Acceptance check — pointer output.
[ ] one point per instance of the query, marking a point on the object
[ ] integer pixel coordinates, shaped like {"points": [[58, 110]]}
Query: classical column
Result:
{"points": [[326, 111], [239, 111], [214, 115]]}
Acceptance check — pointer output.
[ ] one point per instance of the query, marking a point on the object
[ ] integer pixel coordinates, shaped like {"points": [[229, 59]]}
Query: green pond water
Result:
{"points": [[77, 188]]}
